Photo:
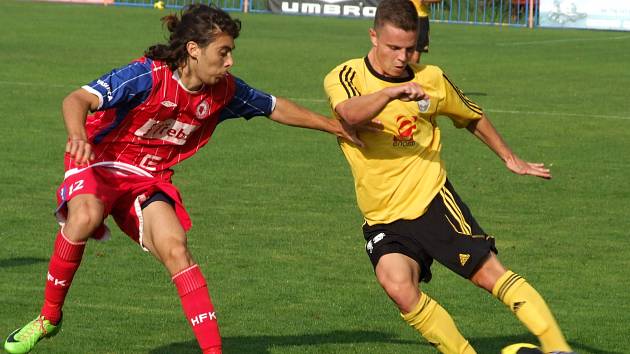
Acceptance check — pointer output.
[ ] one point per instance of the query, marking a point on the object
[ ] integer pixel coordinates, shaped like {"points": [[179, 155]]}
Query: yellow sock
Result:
{"points": [[530, 308], [437, 327]]}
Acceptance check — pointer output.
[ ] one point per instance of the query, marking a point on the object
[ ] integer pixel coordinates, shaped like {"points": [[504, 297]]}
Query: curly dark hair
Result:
{"points": [[198, 23]]}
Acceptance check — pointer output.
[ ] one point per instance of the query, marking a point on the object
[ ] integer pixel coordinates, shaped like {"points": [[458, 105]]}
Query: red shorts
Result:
{"points": [[122, 192]]}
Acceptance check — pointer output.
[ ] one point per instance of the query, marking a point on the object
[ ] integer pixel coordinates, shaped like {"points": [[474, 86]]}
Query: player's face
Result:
{"points": [[393, 48], [214, 61]]}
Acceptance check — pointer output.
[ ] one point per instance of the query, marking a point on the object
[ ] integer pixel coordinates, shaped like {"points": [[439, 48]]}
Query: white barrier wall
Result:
{"points": [[593, 14]]}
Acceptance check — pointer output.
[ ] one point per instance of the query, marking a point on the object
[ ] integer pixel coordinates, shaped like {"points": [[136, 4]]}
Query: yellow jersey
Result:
{"points": [[399, 171]]}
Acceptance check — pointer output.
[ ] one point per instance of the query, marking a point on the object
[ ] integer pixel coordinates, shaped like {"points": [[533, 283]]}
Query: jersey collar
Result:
{"points": [[177, 78], [410, 75]]}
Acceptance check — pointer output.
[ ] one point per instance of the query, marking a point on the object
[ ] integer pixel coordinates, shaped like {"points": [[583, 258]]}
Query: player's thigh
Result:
{"points": [[397, 269], [163, 234], [85, 212], [399, 275]]}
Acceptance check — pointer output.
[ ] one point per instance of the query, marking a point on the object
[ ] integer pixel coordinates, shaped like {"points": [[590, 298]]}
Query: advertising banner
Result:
{"points": [[600, 14], [345, 8]]}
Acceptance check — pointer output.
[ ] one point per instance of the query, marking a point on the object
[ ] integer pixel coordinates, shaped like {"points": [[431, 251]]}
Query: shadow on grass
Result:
{"points": [[263, 344], [20, 261]]}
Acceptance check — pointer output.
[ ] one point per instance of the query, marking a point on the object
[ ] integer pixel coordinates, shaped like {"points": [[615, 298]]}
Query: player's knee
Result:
{"points": [[86, 217], [482, 280], [403, 293], [178, 252], [488, 273]]}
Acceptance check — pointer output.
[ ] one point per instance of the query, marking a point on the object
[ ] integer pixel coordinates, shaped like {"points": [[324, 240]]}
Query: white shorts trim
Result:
{"points": [[111, 164]]}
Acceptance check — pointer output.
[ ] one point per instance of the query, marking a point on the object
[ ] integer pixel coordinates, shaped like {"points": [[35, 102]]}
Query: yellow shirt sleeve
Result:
{"points": [[341, 84], [457, 106]]}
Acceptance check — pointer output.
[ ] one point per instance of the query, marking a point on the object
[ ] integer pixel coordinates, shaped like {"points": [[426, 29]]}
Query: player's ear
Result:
{"points": [[193, 49], [373, 37]]}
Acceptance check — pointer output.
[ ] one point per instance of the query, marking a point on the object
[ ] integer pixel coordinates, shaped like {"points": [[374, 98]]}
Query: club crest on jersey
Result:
{"points": [[406, 128], [203, 109], [170, 130], [423, 105]]}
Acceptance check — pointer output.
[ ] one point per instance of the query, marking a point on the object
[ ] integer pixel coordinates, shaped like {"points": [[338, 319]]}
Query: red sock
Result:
{"points": [[64, 262], [198, 308]]}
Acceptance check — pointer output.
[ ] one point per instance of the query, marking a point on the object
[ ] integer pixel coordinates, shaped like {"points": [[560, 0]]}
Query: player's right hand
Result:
{"points": [[409, 91], [80, 151]]}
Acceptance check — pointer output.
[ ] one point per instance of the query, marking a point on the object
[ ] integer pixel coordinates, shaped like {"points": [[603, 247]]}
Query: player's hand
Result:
{"points": [[521, 167], [375, 126], [347, 132], [79, 150], [410, 91], [351, 133]]}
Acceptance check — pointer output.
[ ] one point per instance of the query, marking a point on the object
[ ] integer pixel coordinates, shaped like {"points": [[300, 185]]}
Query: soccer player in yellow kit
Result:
{"points": [[412, 213], [422, 44]]}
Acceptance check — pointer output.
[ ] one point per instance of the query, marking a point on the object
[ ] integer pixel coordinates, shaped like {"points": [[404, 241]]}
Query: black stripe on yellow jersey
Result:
{"points": [[473, 107], [346, 75]]}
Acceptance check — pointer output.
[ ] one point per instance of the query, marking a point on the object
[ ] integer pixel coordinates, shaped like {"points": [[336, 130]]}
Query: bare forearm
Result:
{"points": [[486, 132], [75, 108], [361, 109], [289, 113]]}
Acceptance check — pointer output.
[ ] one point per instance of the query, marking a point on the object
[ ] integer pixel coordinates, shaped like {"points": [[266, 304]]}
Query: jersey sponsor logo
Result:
{"points": [[406, 129], [202, 317], [170, 130], [202, 110], [150, 162], [423, 105], [168, 104]]}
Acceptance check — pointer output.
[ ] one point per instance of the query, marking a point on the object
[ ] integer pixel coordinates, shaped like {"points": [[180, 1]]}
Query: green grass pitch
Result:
{"points": [[276, 230]]}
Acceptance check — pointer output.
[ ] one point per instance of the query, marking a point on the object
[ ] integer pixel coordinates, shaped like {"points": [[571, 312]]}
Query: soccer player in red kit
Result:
{"points": [[150, 115]]}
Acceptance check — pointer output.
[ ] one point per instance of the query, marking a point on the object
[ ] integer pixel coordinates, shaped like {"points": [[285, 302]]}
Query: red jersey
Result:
{"points": [[147, 121]]}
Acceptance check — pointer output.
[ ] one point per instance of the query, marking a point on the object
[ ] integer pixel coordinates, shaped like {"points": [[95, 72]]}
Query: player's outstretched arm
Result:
{"points": [[360, 110], [486, 132], [289, 113], [75, 108]]}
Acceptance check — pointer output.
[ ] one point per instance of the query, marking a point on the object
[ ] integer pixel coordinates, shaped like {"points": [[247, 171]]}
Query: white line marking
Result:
{"points": [[553, 41], [319, 100], [13, 83], [561, 114], [564, 114]]}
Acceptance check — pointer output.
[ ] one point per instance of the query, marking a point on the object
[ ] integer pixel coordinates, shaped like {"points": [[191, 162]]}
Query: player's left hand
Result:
{"points": [[347, 132], [80, 151], [521, 167]]}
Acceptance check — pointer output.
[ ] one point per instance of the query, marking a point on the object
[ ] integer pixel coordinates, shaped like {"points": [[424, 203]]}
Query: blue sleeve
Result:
{"points": [[128, 85], [247, 103]]}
